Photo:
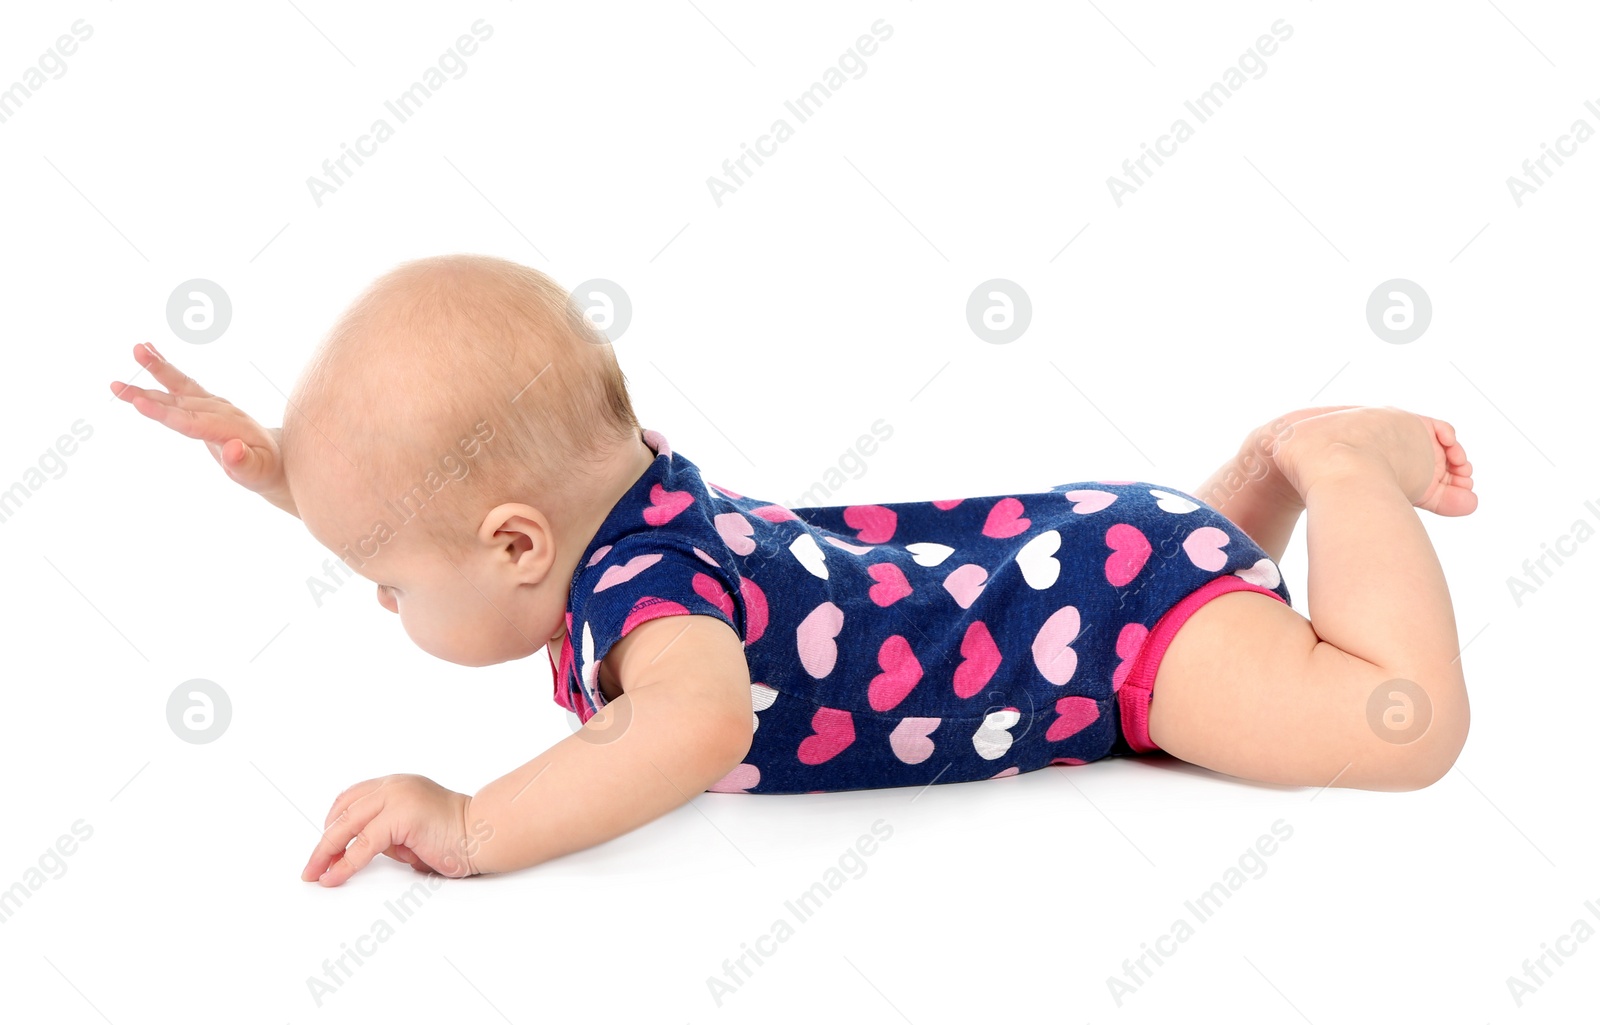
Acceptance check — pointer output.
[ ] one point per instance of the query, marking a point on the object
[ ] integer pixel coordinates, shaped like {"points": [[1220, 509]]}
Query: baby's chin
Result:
{"points": [[481, 658]]}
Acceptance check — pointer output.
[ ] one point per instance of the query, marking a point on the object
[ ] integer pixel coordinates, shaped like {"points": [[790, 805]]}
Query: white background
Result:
{"points": [[826, 293]]}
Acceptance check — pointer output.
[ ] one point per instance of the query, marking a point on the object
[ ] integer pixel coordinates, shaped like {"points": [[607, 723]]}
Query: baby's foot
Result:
{"points": [[1266, 441], [1429, 464]]}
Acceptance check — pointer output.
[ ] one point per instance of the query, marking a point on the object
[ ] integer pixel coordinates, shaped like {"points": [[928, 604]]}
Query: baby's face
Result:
{"points": [[464, 606]]}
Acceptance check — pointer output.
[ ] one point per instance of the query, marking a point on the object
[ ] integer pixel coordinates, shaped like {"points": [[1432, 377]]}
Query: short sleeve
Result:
{"points": [[642, 577]]}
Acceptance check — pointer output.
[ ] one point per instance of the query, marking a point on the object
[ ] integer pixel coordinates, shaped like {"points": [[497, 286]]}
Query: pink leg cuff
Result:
{"points": [[1133, 697]]}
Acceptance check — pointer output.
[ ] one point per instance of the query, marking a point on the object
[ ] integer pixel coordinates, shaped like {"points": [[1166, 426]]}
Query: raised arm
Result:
{"points": [[247, 452], [682, 723]]}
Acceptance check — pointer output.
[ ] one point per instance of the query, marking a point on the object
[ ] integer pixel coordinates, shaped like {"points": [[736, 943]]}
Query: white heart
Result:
{"points": [[805, 549], [1173, 503], [857, 549], [928, 553], [1040, 568], [586, 671], [761, 699], [991, 741], [1263, 574]]}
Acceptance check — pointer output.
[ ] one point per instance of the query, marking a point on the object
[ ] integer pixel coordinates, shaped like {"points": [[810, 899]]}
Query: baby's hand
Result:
{"points": [[409, 818], [246, 451]]}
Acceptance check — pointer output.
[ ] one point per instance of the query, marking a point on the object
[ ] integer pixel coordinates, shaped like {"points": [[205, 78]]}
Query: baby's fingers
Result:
{"points": [[158, 406], [171, 378], [349, 796], [358, 828], [180, 413], [366, 845]]}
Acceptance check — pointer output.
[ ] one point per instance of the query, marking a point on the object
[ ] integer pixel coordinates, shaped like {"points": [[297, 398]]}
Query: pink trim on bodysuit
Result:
{"points": [[561, 672], [1133, 697]]}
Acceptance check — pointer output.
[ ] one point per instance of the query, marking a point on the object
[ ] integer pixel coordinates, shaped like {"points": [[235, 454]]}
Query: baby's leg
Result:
{"points": [[1369, 693], [1250, 490]]}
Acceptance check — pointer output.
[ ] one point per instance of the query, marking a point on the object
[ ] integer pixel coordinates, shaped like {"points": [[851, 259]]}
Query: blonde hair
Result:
{"points": [[443, 350]]}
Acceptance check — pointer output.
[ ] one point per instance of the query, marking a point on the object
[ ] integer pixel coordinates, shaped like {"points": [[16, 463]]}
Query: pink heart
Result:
{"points": [[965, 583], [847, 546], [755, 610], [650, 607], [815, 638], [901, 672], [1006, 519], [615, 575], [980, 659], [1067, 761], [742, 778], [774, 513], [873, 524], [1006, 772], [708, 560], [832, 731], [891, 585], [947, 503], [725, 491], [1129, 643], [735, 531], [1052, 646], [664, 504], [910, 742], [1085, 501], [1076, 713], [1204, 548], [599, 553], [1129, 552], [713, 592]]}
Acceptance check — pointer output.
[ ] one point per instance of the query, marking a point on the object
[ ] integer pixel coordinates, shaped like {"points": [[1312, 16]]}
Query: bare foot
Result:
{"points": [[1429, 463], [1252, 491], [1258, 450]]}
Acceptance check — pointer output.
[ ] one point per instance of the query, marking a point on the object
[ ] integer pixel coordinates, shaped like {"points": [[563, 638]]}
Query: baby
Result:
{"points": [[709, 640]]}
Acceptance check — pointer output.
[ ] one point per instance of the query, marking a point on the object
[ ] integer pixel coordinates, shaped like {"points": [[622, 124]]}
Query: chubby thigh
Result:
{"points": [[1246, 687]]}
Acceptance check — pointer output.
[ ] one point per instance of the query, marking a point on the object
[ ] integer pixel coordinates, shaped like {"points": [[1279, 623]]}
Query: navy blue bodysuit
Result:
{"points": [[913, 642]]}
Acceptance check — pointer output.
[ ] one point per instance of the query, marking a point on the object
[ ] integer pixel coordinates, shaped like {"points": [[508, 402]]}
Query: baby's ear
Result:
{"points": [[521, 531]]}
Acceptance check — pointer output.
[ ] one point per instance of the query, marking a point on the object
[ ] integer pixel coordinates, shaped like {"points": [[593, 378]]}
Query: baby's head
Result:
{"points": [[457, 439]]}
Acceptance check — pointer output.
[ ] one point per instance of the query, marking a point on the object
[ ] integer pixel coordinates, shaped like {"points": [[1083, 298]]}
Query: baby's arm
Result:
{"points": [[682, 723], [247, 452]]}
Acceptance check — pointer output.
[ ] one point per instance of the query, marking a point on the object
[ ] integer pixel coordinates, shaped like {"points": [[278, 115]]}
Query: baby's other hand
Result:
{"points": [[246, 451], [409, 818]]}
